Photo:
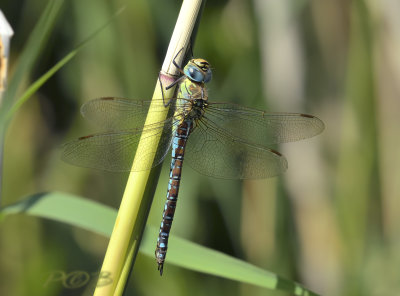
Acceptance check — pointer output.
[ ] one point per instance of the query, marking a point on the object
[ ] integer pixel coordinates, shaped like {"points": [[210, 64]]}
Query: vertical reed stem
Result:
{"points": [[136, 201]]}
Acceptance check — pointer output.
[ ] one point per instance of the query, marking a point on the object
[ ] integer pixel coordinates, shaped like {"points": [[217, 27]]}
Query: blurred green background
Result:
{"points": [[331, 222]]}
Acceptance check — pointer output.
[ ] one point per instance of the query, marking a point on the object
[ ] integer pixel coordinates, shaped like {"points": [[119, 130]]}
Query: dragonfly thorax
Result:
{"points": [[198, 70], [197, 109], [191, 90]]}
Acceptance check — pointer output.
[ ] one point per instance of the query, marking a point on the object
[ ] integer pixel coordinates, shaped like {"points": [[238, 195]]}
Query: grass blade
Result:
{"points": [[30, 54], [31, 51], [46, 76], [96, 217]]}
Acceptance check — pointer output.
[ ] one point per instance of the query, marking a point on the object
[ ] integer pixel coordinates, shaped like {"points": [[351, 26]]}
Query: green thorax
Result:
{"points": [[191, 98], [191, 90]]}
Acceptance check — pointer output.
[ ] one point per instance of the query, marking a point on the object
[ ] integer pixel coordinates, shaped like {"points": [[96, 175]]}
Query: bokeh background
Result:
{"points": [[331, 222]]}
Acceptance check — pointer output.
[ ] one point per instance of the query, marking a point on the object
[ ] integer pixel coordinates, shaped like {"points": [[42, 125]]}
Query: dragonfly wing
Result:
{"points": [[115, 151], [113, 114], [213, 152], [260, 127]]}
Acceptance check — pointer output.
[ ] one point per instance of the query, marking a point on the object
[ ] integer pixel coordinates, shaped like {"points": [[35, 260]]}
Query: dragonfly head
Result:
{"points": [[198, 70]]}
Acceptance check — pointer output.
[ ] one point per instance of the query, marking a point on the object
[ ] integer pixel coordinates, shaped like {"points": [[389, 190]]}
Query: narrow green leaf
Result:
{"points": [[32, 50], [37, 84], [46, 76], [90, 215]]}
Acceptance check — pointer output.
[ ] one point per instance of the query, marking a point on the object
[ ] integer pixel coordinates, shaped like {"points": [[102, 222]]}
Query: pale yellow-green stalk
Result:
{"points": [[128, 228]]}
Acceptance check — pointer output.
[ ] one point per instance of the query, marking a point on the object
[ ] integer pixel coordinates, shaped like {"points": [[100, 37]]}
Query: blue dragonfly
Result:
{"points": [[220, 140]]}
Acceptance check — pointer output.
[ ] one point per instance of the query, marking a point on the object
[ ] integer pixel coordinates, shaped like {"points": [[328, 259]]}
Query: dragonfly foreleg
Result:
{"points": [[176, 64], [167, 88]]}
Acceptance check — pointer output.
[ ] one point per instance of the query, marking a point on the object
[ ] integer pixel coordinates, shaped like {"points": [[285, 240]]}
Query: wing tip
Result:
{"points": [[318, 122]]}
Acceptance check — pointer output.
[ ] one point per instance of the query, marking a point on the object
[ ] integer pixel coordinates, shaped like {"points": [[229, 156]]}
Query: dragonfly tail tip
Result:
{"points": [[161, 268]]}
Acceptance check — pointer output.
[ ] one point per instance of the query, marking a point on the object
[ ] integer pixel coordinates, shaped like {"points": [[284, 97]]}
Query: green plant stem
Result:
{"points": [[138, 196]]}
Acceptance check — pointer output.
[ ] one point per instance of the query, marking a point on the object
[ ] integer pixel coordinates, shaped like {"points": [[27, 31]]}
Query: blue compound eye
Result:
{"points": [[208, 76], [195, 74]]}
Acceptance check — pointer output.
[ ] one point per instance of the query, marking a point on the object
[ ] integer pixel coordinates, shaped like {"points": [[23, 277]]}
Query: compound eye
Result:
{"points": [[196, 75], [208, 76]]}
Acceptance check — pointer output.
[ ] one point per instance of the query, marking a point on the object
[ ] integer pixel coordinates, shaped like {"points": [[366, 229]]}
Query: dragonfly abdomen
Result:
{"points": [[178, 150]]}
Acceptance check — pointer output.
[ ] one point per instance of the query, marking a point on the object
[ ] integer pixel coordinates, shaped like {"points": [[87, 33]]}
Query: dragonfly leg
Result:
{"points": [[191, 47], [162, 91], [176, 64], [167, 88], [176, 81]]}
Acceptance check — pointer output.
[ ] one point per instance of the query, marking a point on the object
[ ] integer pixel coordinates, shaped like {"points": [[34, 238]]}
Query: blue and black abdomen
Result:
{"points": [[178, 150]]}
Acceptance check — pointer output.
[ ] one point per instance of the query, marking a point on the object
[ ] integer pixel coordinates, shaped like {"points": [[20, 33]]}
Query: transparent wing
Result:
{"points": [[113, 114], [115, 151], [260, 127], [213, 152]]}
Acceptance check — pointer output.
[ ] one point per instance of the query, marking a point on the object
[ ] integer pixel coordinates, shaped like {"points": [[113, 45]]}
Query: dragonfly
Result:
{"points": [[219, 140]]}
